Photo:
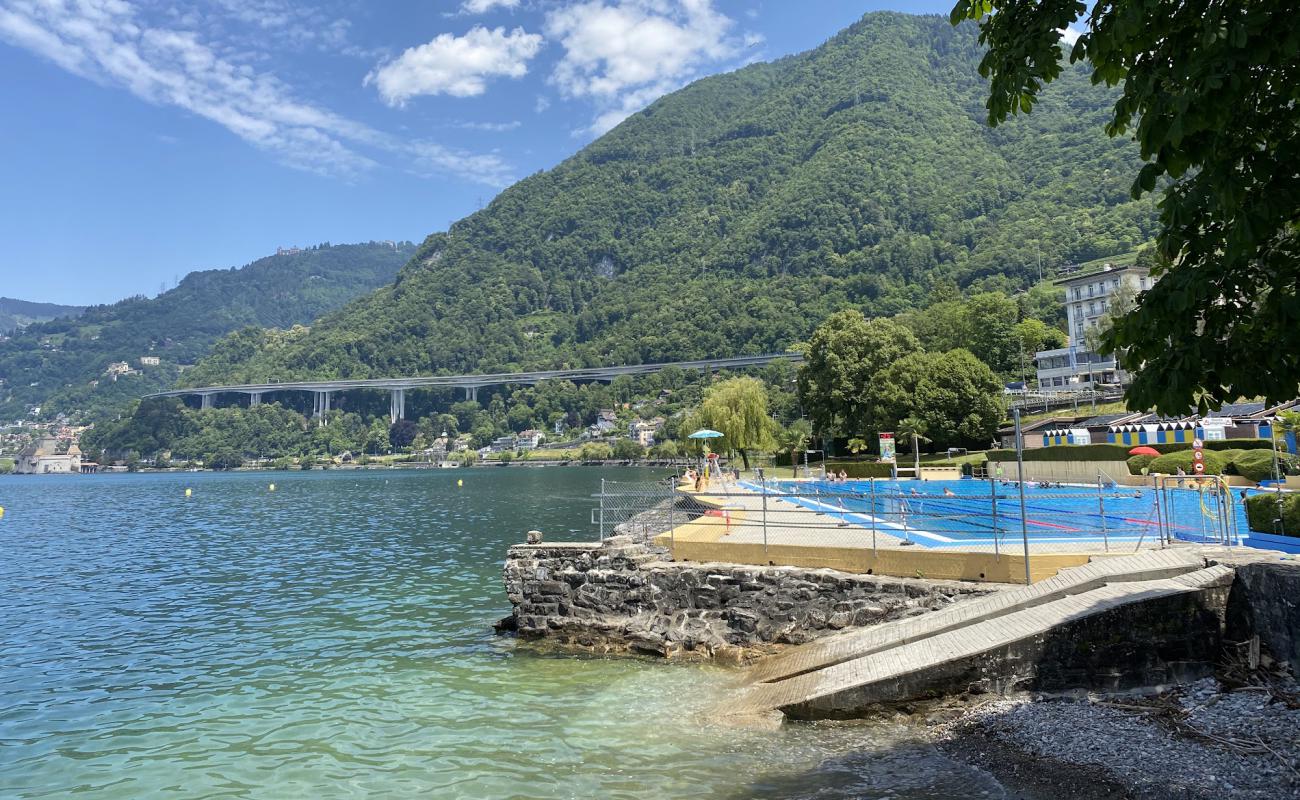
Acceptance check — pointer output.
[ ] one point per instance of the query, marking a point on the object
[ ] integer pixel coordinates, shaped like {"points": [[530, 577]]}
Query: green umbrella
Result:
{"points": [[705, 433]]}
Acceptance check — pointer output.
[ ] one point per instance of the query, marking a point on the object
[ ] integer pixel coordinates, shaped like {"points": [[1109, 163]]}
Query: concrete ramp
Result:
{"points": [[1148, 565], [1033, 636]]}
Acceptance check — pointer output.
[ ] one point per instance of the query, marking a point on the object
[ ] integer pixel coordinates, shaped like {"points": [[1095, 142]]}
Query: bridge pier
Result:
{"points": [[471, 393], [321, 408], [397, 405], [254, 399], [205, 401]]}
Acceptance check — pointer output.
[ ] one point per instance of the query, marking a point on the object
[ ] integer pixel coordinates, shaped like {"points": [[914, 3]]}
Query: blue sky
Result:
{"points": [[143, 139]]}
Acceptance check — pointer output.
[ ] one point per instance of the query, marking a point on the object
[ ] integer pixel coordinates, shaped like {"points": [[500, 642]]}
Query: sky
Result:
{"points": [[144, 139]]}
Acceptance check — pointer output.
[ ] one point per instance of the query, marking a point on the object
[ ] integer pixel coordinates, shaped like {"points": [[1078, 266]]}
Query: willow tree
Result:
{"points": [[1211, 93], [737, 408]]}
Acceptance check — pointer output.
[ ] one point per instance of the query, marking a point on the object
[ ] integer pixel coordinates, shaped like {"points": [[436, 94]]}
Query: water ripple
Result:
{"points": [[331, 640]]}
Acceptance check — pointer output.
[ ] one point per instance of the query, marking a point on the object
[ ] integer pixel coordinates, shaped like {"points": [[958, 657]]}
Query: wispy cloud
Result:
{"points": [[115, 44], [491, 127], [1070, 35], [456, 65], [625, 53], [484, 6]]}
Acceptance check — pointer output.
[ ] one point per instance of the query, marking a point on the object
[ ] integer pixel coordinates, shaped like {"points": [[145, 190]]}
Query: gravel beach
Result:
{"points": [[1193, 741]]}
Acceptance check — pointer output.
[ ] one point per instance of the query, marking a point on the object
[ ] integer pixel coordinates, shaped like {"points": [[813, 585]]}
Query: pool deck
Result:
{"points": [[744, 526]]}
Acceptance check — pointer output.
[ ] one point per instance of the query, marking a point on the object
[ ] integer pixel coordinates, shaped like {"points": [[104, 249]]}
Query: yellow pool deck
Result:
{"points": [[734, 531]]}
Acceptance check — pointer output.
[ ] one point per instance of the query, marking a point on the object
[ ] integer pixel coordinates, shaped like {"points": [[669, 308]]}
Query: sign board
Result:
{"points": [[1198, 467], [887, 447], [1197, 444]]}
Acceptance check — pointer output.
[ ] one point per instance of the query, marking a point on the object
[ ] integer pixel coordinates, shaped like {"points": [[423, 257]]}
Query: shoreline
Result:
{"points": [[1203, 739], [1236, 735], [411, 465]]}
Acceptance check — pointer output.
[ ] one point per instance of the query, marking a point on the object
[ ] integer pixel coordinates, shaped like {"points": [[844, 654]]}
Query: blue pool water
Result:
{"points": [[965, 512]]}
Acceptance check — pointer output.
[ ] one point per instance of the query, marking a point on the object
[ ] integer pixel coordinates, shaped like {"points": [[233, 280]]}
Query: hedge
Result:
{"points": [[1067, 452], [1138, 463], [1119, 452], [1170, 463], [1254, 465], [881, 469], [1262, 511]]}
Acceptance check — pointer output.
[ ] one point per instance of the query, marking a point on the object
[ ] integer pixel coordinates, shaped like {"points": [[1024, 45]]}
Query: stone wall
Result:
{"points": [[622, 597], [1265, 602]]}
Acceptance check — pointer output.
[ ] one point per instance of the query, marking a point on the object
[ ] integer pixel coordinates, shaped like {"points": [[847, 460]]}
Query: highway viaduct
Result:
{"points": [[324, 390]]}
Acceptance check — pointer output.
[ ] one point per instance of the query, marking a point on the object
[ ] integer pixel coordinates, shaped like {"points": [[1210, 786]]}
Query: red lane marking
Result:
{"points": [[1050, 525]]}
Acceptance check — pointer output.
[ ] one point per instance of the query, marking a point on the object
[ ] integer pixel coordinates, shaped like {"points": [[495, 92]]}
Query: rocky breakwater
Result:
{"points": [[623, 596]]}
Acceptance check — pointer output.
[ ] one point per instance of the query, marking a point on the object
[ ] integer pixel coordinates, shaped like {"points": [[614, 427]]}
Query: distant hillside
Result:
{"points": [[54, 364], [20, 313], [734, 215]]}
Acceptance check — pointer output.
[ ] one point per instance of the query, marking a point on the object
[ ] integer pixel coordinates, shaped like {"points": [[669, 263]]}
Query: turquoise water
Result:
{"points": [[1057, 514], [333, 639]]}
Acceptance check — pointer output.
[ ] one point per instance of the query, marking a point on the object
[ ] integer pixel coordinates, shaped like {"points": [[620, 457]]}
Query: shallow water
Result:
{"points": [[333, 639]]}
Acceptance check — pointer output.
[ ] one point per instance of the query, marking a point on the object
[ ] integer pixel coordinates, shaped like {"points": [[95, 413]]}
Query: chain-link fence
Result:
{"points": [[958, 516], [641, 509]]}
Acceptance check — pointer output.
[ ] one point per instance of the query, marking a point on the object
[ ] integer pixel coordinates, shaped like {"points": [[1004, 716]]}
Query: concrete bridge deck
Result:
{"points": [[991, 641], [470, 383]]}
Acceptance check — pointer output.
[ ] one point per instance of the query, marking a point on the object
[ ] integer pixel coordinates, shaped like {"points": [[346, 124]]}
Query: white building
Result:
{"points": [[642, 431], [42, 457], [1087, 298], [529, 439]]}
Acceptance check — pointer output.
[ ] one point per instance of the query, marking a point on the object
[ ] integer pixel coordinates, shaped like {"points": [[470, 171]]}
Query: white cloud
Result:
{"points": [[491, 127], [1070, 35], [541, 103], [113, 43], [625, 53], [456, 65], [484, 6], [431, 158]]}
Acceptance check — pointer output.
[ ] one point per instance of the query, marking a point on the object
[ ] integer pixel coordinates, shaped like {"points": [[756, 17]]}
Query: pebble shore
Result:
{"points": [[1194, 741]]}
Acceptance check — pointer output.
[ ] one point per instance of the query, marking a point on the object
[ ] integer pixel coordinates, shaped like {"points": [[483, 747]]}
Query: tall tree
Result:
{"points": [[838, 380], [1031, 336], [737, 408], [1211, 93], [955, 395]]}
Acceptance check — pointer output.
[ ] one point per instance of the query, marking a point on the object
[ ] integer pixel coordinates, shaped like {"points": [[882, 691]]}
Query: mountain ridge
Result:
{"points": [[732, 215], [62, 365], [15, 313]]}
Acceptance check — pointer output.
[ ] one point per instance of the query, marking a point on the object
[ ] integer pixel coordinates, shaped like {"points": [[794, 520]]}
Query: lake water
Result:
{"points": [[333, 639]]}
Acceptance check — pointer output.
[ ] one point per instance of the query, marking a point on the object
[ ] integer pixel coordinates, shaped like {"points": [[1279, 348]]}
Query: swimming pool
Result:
{"points": [[966, 512]]}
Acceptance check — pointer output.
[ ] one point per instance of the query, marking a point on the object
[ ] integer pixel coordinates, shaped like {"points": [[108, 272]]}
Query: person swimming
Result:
{"points": [[948, 492]]}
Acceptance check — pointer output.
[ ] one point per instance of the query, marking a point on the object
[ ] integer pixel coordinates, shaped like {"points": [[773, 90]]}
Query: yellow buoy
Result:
{"points": [[460, 482], [271, 488], [189, 492], [2, 512]]}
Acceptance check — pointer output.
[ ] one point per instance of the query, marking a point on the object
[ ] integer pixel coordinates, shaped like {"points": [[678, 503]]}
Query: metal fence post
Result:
{"points": [[602, 509], [1020, 473], [763, 483], [997, 534], [873, 516], [1160, 513], [1101, 509], [672, 509]]}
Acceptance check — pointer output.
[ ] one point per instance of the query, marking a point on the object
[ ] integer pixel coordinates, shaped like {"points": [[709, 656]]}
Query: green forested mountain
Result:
{"points": [[61, 364], [734, 215], [15, 314]]}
